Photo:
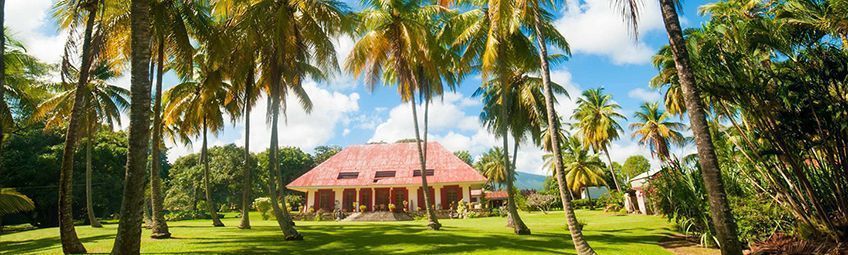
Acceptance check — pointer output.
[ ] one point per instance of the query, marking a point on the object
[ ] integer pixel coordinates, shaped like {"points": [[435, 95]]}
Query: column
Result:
{"points": [[437, 196], [357, 201], [466, 194], [373, 197], [338, 202], [310, 199], [413, 198]]}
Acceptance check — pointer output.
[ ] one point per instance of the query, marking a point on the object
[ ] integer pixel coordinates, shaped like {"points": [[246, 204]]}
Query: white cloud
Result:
{"points": [[330, 111], [28, 21], [445, 114], [595, 27], [642, 94]]}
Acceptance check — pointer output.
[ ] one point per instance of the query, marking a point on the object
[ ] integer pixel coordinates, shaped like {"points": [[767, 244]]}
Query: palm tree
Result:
{"points": [[198, 106], [393, 47], [830, 17], [2, 72], [491, 165], [22, 90], [541, 23], [720, 213], [11, 201], [582, 168], [243, 75], [170, 37], [597, 123], [70, 13], [655, 129], [128, 238], [103, 104], [295, 39]]}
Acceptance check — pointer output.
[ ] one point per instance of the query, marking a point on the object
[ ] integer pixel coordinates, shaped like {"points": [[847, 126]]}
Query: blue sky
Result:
{"points": [[346, 112]]}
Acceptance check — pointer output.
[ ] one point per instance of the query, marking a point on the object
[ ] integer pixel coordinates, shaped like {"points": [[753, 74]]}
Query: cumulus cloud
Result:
{"points": [[446, 114], [331, 111], [644, 95], [29, 21], [595, 27]]}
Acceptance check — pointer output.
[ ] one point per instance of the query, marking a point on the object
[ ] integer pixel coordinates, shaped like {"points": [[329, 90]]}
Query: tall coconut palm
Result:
{"points": [[2, 73], [103, 104], [22, 89], [392, 47], [540, 20], [198, 106], [128, 238], [655, 129], [582, 167], [295, 39], [71, 13], [720, 213], [172, 23], [829, 17], [242, 71], [597, 123]]}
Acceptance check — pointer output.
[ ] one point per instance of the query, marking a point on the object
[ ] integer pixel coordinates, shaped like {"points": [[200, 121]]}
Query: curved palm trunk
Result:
{"points": [[248, 182], [514, 218], [89, 204], [580, 243], [719, 207], [282, 216], [70, 240], [433, 222], [612, 171], [128, 238], [210, 204], [159, 226]]}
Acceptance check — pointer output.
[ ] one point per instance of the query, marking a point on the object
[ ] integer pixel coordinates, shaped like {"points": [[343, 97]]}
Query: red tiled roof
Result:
{"points": [[498, 194], [399, 157]]}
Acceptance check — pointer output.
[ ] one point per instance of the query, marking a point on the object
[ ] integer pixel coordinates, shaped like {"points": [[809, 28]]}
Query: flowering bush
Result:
{"points": [[363, 208], [392, 207]]}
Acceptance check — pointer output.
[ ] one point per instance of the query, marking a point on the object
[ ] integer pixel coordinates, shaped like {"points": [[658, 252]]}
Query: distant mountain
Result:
{"points": [[529, 181]]}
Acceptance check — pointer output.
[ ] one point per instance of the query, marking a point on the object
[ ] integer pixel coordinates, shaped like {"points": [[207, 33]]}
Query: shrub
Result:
{"points": [[294, 202], [582, 203], [540, 201], [363, 208], [186, 215], [392, 207], [613, 208], [263, 206], [611, 198]]}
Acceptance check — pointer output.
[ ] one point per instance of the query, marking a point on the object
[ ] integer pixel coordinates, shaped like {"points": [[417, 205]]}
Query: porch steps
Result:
{"points": [[378, 216]]}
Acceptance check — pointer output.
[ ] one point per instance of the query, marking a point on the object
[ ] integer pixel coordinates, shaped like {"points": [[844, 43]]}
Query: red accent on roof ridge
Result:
{"points": [[400, 157]]}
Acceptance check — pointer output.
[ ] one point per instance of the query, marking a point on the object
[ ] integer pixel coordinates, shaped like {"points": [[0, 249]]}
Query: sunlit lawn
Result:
{"points": [[608, 234]]}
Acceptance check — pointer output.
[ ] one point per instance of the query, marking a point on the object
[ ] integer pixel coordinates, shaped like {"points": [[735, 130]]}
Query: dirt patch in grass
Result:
{"points": [[679, 245]]}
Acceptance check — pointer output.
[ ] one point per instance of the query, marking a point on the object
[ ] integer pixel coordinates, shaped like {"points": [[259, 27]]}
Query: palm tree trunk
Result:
{"points": [[2, 76], [719, 207], [433, 222], [580, 245], [283, 218], [159, 226], [89, 204], [128, 238], [204, 156], [248, 182], [517, 224], [612, 171], [145, 213], [70, 241]]}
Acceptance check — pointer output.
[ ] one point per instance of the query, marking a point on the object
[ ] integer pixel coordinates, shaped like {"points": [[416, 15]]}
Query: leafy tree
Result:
{"points": [[465, 156], [635, 165], [292, 164], [324, 152], [226, 164], [541, 201]]}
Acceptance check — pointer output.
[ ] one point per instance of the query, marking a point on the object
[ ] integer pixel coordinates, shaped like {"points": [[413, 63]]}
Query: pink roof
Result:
{"points": [[399, 157]]}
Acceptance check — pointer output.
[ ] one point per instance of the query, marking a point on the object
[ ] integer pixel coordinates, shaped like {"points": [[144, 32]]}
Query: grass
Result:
{"points": [[608, 234]]}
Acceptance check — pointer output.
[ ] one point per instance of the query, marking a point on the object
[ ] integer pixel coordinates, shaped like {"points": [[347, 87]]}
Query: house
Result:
{"points": [[376, 175], [639, 184]]}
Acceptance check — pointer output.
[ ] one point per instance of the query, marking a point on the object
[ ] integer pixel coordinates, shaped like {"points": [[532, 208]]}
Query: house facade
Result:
{"points": [[376, 175]]}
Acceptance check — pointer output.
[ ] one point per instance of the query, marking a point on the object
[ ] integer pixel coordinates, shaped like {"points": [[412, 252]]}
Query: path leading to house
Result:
{"points": [[608, 234]]}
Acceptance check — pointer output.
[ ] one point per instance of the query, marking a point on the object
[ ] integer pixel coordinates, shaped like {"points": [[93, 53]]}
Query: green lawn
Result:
{"points": [[608, 234]]}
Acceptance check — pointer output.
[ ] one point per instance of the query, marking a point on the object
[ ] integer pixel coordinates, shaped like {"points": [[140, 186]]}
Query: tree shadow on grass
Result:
{"points": [[384, 239], [43, 244]]}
